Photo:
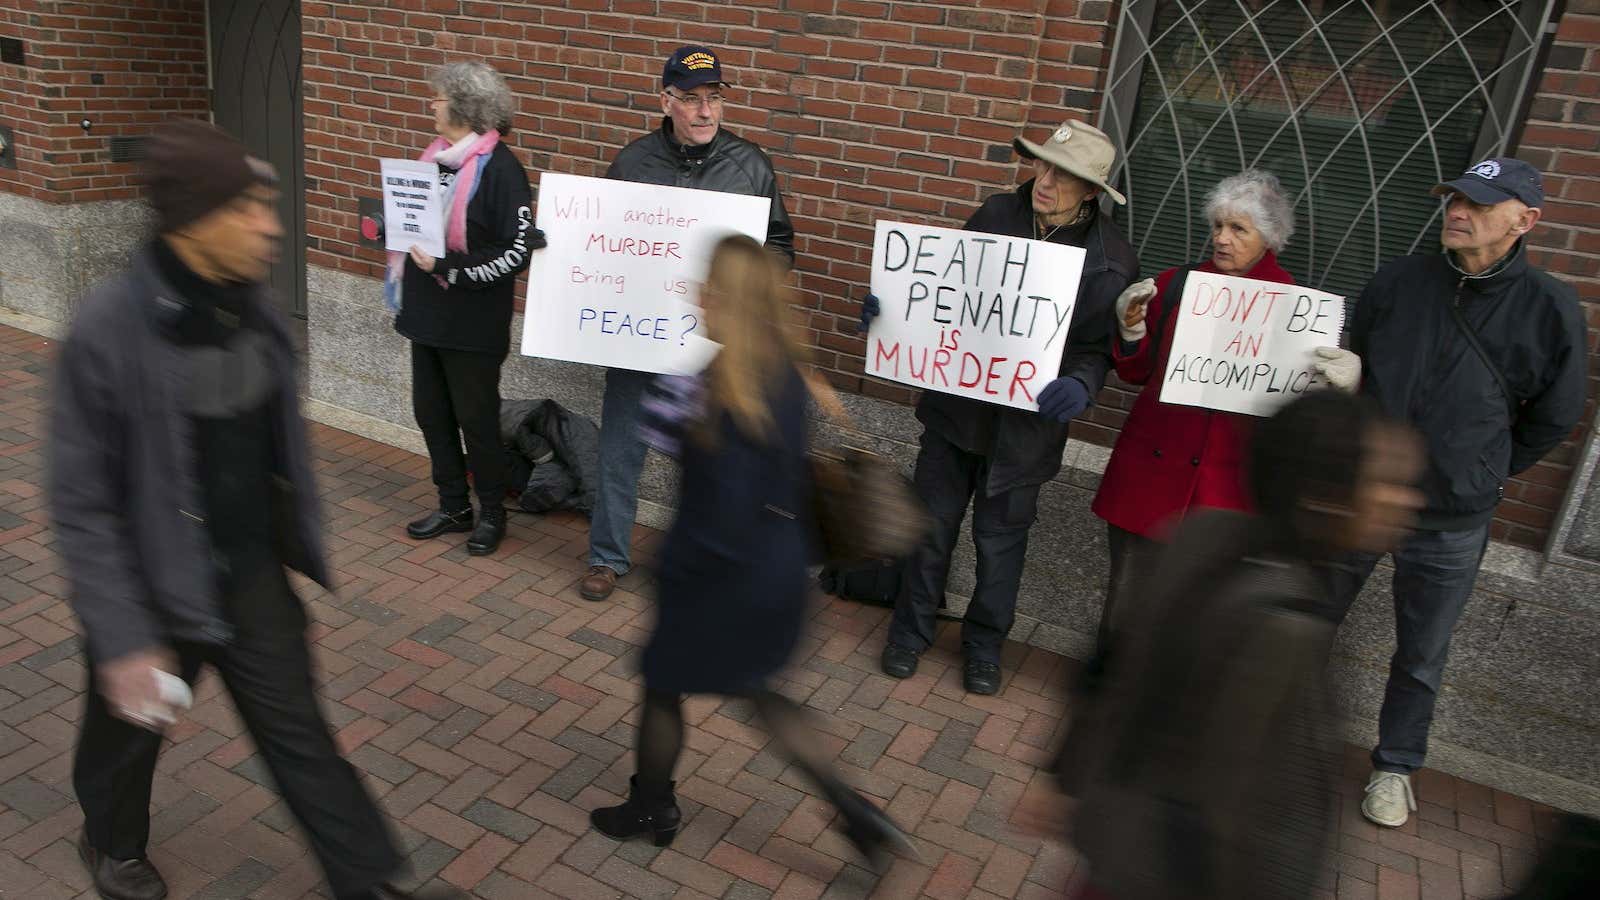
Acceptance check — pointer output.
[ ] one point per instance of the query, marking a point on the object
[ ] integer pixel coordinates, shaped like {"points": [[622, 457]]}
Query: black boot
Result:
{"points": [[657, 816], [440, 522], [869, 828], [491, 528]]}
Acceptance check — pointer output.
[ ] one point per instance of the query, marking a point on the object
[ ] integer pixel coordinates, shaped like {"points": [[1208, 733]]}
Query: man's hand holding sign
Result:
{"points": [[977, 315]]}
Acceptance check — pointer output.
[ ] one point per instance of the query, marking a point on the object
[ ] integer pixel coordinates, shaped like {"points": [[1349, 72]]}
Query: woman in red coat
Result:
{"points": [[1170, 458]]}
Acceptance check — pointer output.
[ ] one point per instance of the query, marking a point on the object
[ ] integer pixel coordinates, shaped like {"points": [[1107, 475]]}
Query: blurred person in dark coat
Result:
{"points": [[181, 486], [733, 583], [1203, 757]]}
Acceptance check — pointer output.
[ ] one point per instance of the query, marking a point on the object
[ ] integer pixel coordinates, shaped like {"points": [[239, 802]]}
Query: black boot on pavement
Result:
{"points": [[440, 522], [657, 816], [121, 879], [491, 529]]}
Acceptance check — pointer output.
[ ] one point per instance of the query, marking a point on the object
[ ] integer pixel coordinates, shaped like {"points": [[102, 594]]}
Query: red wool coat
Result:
{"points": [[1169, 458]]}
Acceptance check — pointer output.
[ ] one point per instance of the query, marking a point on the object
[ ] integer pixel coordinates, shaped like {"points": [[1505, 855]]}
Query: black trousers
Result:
{"points": [[947, 479], [267, 671], [456, 394]]}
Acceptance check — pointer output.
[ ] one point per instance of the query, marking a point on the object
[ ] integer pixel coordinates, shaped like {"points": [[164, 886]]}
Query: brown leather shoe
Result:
{"points": [[121, 879], [598, 584]]}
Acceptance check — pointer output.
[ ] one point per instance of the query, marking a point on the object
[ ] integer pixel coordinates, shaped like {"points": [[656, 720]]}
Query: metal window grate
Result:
{"points": [[1358, 107], [127, 149]]}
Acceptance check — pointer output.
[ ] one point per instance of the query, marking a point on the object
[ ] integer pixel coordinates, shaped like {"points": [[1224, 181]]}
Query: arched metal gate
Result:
{"points": [[1359, 106], [255, 95]]}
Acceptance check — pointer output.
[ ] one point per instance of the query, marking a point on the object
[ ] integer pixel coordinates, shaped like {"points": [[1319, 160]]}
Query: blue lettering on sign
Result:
{"points": [[611, 321]]}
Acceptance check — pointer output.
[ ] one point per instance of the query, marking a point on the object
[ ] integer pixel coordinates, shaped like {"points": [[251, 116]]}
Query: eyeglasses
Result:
{"points": [[695, 101]]}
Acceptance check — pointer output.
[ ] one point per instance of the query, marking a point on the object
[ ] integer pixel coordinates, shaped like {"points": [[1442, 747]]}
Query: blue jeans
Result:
{"points": [[1433, 576], [621, 460]]}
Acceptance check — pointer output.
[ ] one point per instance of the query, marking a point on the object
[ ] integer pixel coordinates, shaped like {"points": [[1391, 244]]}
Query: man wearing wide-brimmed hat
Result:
{"points": [[997, 457]]}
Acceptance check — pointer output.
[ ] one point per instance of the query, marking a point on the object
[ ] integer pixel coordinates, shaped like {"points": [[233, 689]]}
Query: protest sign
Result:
{"points": [[1247, 346], [616, 285], [978, 315], [413, 207]]}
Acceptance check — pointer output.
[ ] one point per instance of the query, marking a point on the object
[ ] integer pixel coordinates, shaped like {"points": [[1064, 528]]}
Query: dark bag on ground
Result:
{"points": [[865, 509], [553, 455], [875, 581]]}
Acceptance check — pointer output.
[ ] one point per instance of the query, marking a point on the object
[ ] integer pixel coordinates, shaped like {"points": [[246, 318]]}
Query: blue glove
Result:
{"points": [[870, 309], [1063, 399]]}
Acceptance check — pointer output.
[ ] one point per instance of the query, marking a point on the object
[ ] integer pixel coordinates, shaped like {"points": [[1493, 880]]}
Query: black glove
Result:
{"points": [[1063, 399], [870, 309]]}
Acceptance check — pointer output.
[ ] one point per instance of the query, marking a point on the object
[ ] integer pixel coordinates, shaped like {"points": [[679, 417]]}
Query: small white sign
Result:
{"points": [[616, 284], [413, 207], [1247, 346], [979, 315]]}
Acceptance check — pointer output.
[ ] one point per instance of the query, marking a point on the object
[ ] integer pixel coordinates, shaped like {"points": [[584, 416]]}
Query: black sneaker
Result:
{"points": [[982, 677], [898, 661]]}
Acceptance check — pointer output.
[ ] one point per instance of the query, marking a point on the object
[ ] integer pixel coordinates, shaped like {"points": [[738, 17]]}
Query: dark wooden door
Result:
{"points": [[255, 95]]}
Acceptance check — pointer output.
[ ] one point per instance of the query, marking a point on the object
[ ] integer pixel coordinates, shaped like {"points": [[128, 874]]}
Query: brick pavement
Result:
{"points": [[490, 708]]}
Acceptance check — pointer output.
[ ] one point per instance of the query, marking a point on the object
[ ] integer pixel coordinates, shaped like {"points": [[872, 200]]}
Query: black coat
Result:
{"points": [[1420, 367], [733, 584], [472, 309], [1024, 448], [124, 486], [729, 164]]}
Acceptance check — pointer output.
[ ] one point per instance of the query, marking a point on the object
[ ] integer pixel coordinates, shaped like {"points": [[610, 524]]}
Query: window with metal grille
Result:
{"points": [[1358, 107]]}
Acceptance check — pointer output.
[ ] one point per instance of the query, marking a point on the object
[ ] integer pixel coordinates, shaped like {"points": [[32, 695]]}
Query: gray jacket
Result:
{"points": [[124, 487]]}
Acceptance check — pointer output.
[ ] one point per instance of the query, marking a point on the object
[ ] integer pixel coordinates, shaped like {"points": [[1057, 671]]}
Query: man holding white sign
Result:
{"points": [[1487, 357], [1024, 337], [691, 149]]}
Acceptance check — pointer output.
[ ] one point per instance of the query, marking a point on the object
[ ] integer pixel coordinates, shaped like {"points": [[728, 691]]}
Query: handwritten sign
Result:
{"points": [[616, 285], [979, 315], [1247, 346], [413, 206]]}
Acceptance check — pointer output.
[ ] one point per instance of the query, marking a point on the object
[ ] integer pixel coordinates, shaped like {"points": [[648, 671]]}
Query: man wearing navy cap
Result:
{"points": [[1485, 355], [691, 149]]}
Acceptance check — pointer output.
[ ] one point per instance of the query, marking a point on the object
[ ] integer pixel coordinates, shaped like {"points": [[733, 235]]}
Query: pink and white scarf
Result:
{"points": [[467, 157]]}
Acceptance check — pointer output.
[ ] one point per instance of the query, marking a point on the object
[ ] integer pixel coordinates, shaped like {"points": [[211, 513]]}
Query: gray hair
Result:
{"points": [[1257, 195], [479, 98]]}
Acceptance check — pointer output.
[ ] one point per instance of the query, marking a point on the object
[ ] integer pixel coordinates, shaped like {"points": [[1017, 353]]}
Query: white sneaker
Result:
{"points": [[1389, 799]]}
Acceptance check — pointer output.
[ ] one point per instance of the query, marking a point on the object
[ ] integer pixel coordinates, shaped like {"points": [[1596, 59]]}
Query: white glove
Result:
{"points": [[1137, 295], [1341, 368]]}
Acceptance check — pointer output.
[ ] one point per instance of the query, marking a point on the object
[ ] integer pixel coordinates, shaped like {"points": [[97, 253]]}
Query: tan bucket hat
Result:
{"points": [[1078, 148]]}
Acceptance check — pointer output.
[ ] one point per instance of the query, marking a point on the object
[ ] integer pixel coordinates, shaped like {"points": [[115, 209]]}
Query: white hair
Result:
{"points": [[1258, 196], [478, 95]]}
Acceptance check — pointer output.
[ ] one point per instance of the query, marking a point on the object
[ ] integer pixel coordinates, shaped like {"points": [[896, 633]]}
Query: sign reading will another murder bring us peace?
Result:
{"points": [[616, 284], [979, 315], [1247, 346]]}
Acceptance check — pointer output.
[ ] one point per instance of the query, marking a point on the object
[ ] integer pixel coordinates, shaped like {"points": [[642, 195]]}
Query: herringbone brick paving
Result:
{"points": [[490, 708]]}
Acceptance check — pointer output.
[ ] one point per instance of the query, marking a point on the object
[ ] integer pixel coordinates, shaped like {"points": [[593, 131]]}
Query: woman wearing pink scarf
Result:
{"points": [[456, 310]]}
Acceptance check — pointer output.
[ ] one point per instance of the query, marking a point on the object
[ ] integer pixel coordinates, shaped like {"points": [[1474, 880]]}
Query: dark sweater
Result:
{"points": [[471, 310]]}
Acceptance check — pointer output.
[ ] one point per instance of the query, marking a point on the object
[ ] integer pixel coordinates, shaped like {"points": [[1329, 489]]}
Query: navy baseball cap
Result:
{"points": [[691, 66], [1496, 180]]}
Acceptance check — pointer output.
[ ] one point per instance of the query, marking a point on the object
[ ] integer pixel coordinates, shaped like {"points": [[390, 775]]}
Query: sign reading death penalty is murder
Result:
{"points": [[963, 312], [1247, 346], [616, 285], [413, 207]]}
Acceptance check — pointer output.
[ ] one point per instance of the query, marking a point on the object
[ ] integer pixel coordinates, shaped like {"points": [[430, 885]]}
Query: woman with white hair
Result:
{"points": [[1170, 459], [456, 310]]}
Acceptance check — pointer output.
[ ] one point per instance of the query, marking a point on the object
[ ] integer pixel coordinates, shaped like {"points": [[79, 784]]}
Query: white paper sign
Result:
{"points": [[980, 315], [1246, 346], [413, 207], [617, 284]]}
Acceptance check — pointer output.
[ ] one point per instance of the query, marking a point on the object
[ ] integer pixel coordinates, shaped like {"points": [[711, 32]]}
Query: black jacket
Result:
{"points": [[1421, 368], [729, 164], [124, 485], [1024, 448], [472, 309]]}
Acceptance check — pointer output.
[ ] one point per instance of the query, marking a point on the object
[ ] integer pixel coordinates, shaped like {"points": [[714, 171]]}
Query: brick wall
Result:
{"points": [[1562, 138], [123, 65]]}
